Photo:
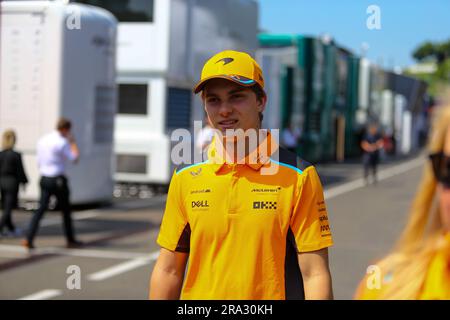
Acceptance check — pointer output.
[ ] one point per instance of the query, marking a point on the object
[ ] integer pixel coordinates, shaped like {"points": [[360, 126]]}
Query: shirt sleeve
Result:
{"points": [[174, 234], [309, 220], [21, 175], [67, 152]]}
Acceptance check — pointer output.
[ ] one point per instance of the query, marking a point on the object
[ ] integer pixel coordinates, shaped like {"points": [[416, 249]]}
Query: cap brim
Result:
{"points": [[245, 83]]}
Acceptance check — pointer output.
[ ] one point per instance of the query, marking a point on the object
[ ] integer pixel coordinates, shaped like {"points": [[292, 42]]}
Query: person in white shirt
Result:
{"points": [[54, 151]]}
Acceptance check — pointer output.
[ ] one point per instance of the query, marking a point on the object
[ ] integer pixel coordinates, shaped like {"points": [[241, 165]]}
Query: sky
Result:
{"points": [[403, 24]]}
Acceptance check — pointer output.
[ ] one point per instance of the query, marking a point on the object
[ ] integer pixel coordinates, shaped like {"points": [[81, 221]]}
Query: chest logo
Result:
{"points": [[266, 190], [200, 204], [201, 191], [264, 205], [196, 173]]}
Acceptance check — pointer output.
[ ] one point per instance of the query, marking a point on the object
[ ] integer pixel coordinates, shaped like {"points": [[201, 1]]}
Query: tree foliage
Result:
{"points": [[438, 52]]}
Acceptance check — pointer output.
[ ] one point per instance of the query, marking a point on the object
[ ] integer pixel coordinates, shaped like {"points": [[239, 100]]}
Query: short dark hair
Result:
{"points": [[63, 123], [260, 94]]}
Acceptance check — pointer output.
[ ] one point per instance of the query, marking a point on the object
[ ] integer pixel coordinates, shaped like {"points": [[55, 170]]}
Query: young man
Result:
{"points": [[248, 231]]}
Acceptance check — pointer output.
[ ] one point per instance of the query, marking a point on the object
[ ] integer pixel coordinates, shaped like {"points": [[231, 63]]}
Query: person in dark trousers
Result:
{"points": [[54, 151], [12, 175], [371, 144]]}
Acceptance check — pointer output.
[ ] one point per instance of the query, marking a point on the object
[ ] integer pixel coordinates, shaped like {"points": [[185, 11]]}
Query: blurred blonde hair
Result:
{"points": [[408, 262], [8, 139]]}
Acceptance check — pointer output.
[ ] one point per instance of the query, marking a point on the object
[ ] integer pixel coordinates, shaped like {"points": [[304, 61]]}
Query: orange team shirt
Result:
{"points": [[243, 228]]}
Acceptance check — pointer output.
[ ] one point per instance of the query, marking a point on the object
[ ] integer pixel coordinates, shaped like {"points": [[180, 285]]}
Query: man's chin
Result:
{"points": [[229, 134], [235, 134]]}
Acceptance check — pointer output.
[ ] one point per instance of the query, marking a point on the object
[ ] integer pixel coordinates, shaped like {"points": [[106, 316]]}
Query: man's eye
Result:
{"points": [[237, 96], [212, 100]]}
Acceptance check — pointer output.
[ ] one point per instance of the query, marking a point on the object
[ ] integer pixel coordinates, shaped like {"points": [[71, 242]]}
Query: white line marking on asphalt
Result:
{"points": [[106, 254], [11, 254], [43, 295], [88, 214], [153, 256], [382, 175], [11, 248], [133, 205], [118, 269], [138, 259], [103, 254], [123, 267]]}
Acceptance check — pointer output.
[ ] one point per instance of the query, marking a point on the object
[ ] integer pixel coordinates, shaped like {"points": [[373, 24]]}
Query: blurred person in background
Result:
{"points": [[388, 142], [247, 234], [12, 175], [419, 265], [371, 144], [54, 151], [290, 137]]}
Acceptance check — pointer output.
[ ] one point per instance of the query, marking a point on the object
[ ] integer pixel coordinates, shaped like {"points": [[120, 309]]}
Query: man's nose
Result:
{"points": [[225, 109]]}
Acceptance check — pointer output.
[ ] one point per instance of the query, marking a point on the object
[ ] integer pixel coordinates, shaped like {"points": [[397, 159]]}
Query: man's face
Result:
{"points": [[231, 106], [65, 132], [373, 130]]}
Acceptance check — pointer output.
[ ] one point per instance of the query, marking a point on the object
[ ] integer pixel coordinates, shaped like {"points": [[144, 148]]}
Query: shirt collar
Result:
{"points": [[255, 159]]}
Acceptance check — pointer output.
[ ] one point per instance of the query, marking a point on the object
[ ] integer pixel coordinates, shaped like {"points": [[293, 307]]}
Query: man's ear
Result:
{"points": [[262, 104]]}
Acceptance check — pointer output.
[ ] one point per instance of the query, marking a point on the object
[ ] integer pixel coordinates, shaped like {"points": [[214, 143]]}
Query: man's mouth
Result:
{"points": [[227, 124]]}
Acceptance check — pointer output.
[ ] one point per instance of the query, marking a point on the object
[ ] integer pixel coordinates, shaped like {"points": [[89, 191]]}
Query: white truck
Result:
{"points": [[162, 46], [58, 59]]}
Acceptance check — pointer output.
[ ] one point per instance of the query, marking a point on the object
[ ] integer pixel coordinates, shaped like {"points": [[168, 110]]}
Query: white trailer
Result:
{"points": [[362, 112], [58, 59], [274, 63], [162, 46]]}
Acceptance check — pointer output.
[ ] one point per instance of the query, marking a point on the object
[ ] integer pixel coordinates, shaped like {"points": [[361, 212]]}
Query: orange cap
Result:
{"points": [[236, 66]]}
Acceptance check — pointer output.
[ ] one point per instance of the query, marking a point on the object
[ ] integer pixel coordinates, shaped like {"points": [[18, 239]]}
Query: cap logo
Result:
{"points": [[226, 61]]}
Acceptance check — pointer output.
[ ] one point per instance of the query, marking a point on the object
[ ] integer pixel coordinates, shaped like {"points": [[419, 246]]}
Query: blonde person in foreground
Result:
{"points": [[419, 265]]}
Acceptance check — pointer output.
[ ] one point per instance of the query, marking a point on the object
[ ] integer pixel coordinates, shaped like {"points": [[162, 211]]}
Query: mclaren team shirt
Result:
{"points": [[243, 228]]}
